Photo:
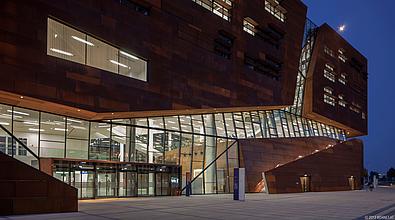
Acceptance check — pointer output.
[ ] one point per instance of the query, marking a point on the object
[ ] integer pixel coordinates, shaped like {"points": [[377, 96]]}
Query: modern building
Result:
{"points": [[124, 98]]}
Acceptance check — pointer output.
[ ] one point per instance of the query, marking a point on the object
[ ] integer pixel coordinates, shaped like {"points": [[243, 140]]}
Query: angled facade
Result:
{"points": [[151, 98]]}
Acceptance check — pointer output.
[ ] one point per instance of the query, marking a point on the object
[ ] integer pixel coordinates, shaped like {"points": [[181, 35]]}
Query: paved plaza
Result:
{"points": [[316, 205]]}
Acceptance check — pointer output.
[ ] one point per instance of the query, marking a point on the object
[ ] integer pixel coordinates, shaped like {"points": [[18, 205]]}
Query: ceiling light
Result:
{"points": [[4, 123], [36, 129], [82, 41], [61, 52], [7, 116], [60, 129], [129, 55], [16, 112], [119, 64], [30, 123], [72, 120], [78, 127]]}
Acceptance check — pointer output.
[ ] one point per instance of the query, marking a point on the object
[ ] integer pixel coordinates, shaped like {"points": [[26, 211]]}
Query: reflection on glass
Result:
{"points": [[120, 136], [99, 147], [140, 145], [52, 135], [77, 138], [172, 147]]}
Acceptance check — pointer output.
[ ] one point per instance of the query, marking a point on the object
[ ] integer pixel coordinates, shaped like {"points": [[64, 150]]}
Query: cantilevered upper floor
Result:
{"points": [[336, 88], [145, 56]]}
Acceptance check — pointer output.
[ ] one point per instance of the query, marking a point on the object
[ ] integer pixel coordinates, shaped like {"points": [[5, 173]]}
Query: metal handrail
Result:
{"points": [[21, 144], [190, 183]]}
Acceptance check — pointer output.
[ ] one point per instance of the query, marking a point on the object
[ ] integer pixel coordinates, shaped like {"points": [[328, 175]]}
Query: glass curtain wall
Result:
{"points": [[191, 141]]}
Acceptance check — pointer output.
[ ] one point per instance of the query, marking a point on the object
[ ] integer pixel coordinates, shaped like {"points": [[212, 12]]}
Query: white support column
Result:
{"points": [[210, 154]]}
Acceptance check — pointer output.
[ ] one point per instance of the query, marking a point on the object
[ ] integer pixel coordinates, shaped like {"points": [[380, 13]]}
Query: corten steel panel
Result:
{"points": [[328, 169], [260, 155], [25, 190], [355, 89], [177, 39]]}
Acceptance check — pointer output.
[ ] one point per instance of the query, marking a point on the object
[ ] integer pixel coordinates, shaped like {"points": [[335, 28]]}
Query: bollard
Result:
{"points": [[239, 184]]}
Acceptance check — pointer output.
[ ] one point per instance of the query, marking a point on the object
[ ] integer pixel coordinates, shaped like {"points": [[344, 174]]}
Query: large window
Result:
{"points": [[67, 43], [52, 135], [77, 138], [222, 8], [329, 73], [328, 51], [342, 55], [343, 78], [328, 96], [249, 26], [274, 8], [342, 102]]}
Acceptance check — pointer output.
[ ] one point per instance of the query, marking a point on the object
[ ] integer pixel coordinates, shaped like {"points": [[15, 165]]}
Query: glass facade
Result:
{"points": [[199, 144]]}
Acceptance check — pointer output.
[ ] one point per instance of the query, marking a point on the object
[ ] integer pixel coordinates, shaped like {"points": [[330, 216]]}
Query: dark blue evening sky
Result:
{"points": [[371, 30]]}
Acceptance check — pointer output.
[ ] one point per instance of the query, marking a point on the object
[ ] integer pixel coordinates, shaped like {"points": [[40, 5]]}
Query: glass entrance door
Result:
{"points": [[82, 177], [142, 181], [146, 181], [351, 182], [106, 182], [127, 183], [162, 184], [305, 183]]}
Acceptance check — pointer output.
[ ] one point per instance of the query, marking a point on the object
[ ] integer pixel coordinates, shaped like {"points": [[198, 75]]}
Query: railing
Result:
{"points": [[189, 184], [35, 162]]}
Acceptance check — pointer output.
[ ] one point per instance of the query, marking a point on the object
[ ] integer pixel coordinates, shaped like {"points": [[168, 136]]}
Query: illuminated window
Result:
{"points": [[355, 107], [343, 78], [341, 101], [249, 26], [328, 98], [222, 8], [274, 8], [341, 55], [328, 90], [69, 44], [329, 51], [329, 73]]}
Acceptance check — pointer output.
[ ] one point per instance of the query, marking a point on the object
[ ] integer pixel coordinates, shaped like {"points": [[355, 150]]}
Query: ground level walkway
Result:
{"points": [[319, 205]]}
